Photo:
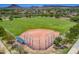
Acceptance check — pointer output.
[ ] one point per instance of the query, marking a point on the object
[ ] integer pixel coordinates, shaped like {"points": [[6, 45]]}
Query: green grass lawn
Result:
{"points": [[18, 26]]}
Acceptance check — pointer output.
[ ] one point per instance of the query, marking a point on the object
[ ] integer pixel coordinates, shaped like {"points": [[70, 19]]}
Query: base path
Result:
{"points": [[75, 48], [6, 50]]}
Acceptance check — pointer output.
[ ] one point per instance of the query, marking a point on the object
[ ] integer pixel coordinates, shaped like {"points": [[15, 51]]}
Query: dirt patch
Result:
{"points": [[39, 39]]}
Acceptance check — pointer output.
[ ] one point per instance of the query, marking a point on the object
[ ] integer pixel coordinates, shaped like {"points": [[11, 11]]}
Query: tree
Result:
{"points": [[75, 19], [8, 37], [73, 33], [57, 41], [70, 37], [2, 31], [11, 18], [0, 19], [57, 15]]}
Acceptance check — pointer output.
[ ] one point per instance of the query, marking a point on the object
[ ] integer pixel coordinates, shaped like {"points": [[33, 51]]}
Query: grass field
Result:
{"points": [[18, 26]]}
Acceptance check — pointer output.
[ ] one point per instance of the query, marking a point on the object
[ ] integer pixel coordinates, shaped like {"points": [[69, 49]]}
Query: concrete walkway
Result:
{"points": [[75, 48], [6, 50]]}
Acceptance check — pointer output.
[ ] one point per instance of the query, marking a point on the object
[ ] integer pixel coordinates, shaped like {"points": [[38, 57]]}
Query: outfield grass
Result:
{"points": [[19, 25]]}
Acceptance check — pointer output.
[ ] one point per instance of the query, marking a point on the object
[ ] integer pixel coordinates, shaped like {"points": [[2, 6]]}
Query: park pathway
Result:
{"points": [[6, 50], [75, 48]]}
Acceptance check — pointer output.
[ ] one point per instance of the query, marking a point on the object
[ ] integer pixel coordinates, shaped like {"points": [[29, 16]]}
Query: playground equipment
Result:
{"points": [[38, 39]]}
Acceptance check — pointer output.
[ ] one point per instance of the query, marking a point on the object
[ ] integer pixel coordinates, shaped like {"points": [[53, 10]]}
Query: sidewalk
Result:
{"points": [[6, 50], [75, 48]]}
